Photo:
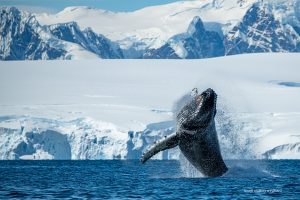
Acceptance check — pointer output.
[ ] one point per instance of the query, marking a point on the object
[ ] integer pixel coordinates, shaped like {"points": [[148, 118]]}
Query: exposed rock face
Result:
{"points": [[20, 37], [197, 42], [88, 39], [260, 31]]}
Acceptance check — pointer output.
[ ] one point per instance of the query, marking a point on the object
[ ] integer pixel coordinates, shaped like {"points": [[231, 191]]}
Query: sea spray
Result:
{"points": [[247, 168], [234, 133], [187, 169]]}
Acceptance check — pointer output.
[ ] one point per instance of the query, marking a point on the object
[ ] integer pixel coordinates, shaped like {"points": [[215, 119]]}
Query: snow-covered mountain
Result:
{"points": [[195, 43], [187, 29], [23, 38], [262, 30], [88, 39]]}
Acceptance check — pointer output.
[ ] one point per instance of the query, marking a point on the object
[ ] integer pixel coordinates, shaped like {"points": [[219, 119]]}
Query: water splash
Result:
{"points": [[187, 169], [247, 168], [236, 169], [235, 133]]}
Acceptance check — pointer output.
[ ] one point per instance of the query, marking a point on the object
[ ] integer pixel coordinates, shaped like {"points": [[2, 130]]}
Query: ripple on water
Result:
{"points": [[154, 180]]}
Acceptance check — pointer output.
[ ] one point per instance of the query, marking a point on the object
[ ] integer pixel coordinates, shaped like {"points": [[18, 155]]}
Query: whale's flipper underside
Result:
{"points": [[167, 143]]}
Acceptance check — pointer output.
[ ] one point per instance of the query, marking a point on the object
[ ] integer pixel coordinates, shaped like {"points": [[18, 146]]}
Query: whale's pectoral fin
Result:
{"points": [[167, 143]]}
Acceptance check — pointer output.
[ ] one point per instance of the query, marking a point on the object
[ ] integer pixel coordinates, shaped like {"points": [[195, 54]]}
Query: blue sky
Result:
{"points": [[57, 5]]}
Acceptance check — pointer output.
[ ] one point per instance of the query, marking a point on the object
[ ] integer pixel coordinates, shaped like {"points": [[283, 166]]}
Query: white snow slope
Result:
{"points": [[111, 109]]}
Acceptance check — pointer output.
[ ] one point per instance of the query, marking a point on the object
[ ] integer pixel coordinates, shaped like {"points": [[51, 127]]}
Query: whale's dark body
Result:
{"points": [[196, 136]]}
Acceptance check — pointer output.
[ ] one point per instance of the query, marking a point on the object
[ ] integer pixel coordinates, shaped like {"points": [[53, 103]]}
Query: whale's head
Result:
{"points": [[199, 112]]}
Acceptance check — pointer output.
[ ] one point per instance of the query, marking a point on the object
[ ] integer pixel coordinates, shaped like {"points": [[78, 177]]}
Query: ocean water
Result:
{"points": [[155, 180]]}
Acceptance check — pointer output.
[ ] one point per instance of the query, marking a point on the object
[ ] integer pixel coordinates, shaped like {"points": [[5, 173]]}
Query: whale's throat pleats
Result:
{"points": [[161, 145]]}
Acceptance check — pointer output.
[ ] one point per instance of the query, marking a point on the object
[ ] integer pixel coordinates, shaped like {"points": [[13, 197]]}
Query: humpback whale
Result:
{"points": [[196, 135]]}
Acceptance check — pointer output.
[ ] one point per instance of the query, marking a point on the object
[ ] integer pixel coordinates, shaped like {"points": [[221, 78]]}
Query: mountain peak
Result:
{"points": [[195, 25], [13, 11], [9, 9], [71, 24], [87, 39]]}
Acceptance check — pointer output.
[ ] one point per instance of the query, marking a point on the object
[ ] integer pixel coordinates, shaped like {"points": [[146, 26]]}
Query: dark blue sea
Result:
{"points": [[154, 180]]}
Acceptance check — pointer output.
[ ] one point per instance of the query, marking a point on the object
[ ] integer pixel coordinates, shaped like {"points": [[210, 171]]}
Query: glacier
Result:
{"points": [[115, 109], [286, 151]]}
